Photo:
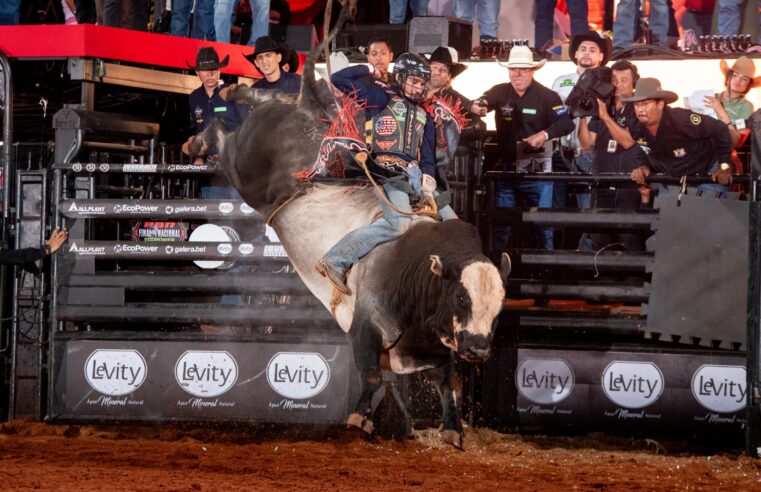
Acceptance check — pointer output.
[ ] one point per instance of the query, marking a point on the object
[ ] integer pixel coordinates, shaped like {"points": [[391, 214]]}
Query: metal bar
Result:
{"points": [[102, 208], [590, 217], [611, 323], [174, 250], [180, 168], [607, 260], [753, 354], [116, 146], [623, 179], [593, 291], [7, 96], [199, 313]]}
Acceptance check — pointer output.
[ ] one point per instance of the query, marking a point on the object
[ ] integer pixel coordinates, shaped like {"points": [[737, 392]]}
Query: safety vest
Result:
{"points": [[397, 129]]}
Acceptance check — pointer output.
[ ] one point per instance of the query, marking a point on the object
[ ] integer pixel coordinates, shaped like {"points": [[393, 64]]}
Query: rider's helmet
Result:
{"points": [[411, 64]]}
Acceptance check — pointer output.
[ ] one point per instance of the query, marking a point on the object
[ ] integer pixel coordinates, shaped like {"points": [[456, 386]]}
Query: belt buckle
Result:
{"points": [[391, 160]]}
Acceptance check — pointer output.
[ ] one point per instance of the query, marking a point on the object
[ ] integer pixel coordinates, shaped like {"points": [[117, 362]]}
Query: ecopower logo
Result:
{"points": [[545, 381], [298, 375], [115, 372], [206, 374], [720, 389], [631, 384]]}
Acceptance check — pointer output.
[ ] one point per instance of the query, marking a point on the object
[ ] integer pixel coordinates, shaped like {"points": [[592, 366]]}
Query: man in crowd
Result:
{"points": [[267, 58], [602, 134], [380, 55], [627, 20], [487, 18], [731, 105], [677, 141], [402, 141], [529, 115], [590, 51], [398, 10], [545, 20]]}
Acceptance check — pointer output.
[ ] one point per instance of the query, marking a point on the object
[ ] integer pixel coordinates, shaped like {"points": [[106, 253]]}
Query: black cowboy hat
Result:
{"points": [[448, 56], [290, 57], [601, 41], [208, 59], [263, 45]]}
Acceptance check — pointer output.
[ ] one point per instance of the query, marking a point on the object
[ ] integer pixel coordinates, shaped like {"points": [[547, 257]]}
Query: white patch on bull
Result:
{"points": [[221, 141], [398, 365], [487, 295]]}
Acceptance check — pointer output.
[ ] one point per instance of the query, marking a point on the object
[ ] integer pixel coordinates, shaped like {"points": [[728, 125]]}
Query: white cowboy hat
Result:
{"points": [[521, 57]]}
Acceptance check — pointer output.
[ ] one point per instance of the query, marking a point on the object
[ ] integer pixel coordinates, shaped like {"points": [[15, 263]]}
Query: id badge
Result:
{"points": [[612, 146]]}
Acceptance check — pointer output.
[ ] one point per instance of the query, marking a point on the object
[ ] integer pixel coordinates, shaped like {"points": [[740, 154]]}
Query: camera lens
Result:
{"points": [[586, 104]]}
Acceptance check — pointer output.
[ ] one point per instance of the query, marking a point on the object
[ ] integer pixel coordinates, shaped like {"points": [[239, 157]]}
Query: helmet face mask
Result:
{"points": [[412, 65]]}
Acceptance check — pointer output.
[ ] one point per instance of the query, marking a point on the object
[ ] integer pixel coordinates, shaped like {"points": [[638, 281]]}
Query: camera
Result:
{"points": [[594, 83]]}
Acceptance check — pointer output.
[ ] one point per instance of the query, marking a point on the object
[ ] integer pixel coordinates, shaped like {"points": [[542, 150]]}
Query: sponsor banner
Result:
{"points": [[195, 380], [158, 209], [621, 389], [150, 249], [160, 231], [91, 167]]}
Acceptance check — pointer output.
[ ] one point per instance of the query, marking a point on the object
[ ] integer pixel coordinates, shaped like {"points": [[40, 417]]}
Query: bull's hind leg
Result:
{"points": [[447, 382], [367, 345]]}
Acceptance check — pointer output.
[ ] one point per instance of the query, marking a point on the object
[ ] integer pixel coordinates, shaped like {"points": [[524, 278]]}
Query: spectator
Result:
{"points": [[380, 55], [731, 106], [610, 157], [627, 16], [398, 10], [25, 256], [223, 14], [203, 19], [9, 12], [395, 149], [729, 17], [530, 114], [589, 50], [488, 15], [545, 20], [677, 141], [267, 57], [698, 16], [128, 14]]}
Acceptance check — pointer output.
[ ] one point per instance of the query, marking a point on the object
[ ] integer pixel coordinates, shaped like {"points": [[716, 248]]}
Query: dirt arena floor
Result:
{"points": [[35, 456]]}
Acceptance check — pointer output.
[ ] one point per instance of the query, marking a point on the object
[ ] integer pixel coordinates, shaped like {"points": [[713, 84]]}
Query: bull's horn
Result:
{"points": [[505, 265], [436, 266]]}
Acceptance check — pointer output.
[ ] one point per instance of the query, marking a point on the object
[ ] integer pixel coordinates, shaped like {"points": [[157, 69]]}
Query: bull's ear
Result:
{"points": [[505, 265], [436, 266]]}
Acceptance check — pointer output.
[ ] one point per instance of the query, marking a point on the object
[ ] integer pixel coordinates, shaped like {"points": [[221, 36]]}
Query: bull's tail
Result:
{"points": [[310, 96]]}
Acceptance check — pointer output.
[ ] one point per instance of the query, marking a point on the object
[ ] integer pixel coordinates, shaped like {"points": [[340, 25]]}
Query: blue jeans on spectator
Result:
{"points": [[545, 19], [627, 15], [488, 15], [224, 193], [9, 12], [203, 19], [223, 16], [729, 17], [398, 10], [526, 194]]}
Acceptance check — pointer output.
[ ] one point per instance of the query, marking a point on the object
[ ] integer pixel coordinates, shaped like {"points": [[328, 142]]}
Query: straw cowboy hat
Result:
{"points": [[743, 66], [603, 43], [522, 57], [448, 56], [650, 88], [208, 59]]}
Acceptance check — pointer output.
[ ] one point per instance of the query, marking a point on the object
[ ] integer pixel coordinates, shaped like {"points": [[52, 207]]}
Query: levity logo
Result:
{"points": [[298, 375], [632, 384], [721, 389], [115, 372], [544, 381], [206, 374]]}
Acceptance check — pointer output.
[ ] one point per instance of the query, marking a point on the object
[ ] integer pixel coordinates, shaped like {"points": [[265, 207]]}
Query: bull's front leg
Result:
{"points": [[367, 345], [447, 383]]}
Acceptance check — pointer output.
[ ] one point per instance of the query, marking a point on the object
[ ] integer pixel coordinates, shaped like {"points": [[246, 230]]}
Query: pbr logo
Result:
{"points": [[115, 372], [298, 375], [226, 207], [720, 389], [545, 381], [245, 208], [631, 384], [206, 374], [225, 248], [245, 248]]}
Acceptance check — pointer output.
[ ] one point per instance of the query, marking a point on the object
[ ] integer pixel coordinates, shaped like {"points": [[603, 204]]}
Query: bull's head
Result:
{"points": [[476, 299]]}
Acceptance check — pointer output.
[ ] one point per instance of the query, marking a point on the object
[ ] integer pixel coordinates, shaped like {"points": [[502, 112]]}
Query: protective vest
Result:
{"points": [[397, 129]]}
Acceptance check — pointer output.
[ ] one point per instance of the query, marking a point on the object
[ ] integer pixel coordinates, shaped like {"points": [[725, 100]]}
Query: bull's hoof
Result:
{"points": [[452, 437], [360, 422]]}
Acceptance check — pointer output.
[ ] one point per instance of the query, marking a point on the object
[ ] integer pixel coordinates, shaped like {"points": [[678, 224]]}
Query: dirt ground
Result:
{"points": [[137, 457]]}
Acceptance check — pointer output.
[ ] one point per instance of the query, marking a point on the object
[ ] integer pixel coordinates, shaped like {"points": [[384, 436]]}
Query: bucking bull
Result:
{"points": [[415, 302]]}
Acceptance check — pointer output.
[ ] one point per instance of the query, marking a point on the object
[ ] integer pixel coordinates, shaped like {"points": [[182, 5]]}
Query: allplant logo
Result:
{"points": [[206, 373], [115, 372], [298, 375], [544, 381]]}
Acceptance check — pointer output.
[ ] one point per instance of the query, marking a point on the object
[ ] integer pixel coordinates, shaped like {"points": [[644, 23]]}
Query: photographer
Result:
{"points": [[602, 134], [588, 51]]}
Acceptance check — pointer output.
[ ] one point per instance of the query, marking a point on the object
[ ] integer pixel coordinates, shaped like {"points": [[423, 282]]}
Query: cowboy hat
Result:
{"points": [[208, 59], [603, 43], [650, 88], [263, 45], [448, 56], [743, 66], [290, 57], [522, 57]]}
